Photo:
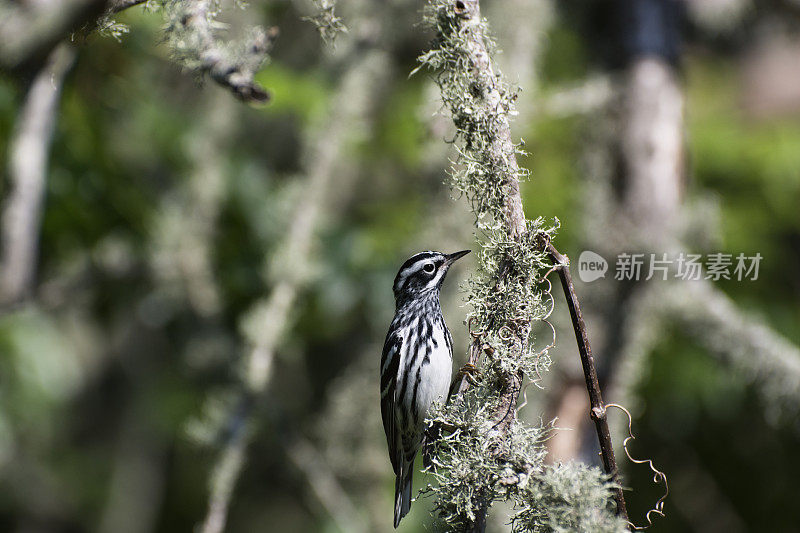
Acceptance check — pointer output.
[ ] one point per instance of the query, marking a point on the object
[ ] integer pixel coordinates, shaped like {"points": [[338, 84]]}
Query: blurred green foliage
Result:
{"points": [[105, 346]]}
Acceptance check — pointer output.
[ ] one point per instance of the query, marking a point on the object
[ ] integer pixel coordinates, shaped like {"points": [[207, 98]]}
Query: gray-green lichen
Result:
{"points": [[482, 458], [193, 36], [565, 498], [471, 467], [505, 295], [327, 22]]}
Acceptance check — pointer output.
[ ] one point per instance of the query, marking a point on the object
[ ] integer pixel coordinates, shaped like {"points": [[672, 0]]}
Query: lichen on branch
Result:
{"points": [[192, 33], [505, 294], [489, 455], [328, 24]]}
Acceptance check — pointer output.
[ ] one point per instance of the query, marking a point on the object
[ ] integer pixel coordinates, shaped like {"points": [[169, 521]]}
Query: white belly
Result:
{"points": [[436, 378]]}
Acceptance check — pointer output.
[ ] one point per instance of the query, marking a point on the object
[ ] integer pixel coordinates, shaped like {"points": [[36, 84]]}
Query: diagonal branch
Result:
{"points": [[190, 31], [598, 411]]}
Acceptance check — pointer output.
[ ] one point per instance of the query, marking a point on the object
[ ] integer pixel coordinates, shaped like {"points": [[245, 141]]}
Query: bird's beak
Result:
{"points": [[452, 258]]}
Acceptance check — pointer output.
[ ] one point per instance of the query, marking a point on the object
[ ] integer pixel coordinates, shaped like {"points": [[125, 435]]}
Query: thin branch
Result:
{"points": [[598, 408], [28, 155], [226, 471]]}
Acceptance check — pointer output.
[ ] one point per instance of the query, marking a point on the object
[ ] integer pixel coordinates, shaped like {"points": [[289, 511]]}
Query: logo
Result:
{"points": [[591, 266]]}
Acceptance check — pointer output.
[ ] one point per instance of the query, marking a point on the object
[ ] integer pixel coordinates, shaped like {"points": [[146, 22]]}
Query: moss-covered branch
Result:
{"points": [[191, 35], [490, 455]]}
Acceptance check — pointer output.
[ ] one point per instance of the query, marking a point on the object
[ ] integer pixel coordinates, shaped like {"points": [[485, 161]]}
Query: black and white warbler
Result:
{"points": [[416, 365]]}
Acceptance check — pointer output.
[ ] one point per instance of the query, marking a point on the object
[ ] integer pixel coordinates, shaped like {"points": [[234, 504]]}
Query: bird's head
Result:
{"points": [[422, 273]]}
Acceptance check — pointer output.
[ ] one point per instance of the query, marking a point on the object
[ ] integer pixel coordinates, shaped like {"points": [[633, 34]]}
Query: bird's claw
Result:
{"points": [[470, 372]]}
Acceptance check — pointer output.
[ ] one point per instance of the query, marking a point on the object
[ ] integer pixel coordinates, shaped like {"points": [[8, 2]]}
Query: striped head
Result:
{"points": [[422, 273]]}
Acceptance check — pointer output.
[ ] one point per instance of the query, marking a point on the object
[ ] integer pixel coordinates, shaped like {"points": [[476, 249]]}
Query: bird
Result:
{"points": [[416, 364]]}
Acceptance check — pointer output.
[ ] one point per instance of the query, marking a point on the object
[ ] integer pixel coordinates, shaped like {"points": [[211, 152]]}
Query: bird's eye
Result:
{"points": [[429, 268]]}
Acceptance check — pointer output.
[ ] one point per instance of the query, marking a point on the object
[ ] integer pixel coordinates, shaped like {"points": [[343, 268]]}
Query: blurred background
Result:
{"points": [[191, 247]]}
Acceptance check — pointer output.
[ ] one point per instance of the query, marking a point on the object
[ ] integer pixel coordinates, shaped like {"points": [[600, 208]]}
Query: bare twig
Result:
{"points": [[28, 154], [598, 409]]}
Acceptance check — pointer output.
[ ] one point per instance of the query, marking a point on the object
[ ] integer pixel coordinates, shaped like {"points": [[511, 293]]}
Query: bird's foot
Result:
{"points": [[470, 372]]}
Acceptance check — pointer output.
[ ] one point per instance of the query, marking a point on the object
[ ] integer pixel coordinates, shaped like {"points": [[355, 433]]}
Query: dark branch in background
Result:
{"points": [[27, 167], [598, 409], [233, 65], [30, 34]]}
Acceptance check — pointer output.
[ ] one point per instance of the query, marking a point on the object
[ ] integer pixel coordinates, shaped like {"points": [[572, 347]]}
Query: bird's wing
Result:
{"points": [[390, 363]]}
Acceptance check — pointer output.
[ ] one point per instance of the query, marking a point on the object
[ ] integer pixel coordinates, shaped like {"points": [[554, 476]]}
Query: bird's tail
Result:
{"points": [[402, 492]]}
